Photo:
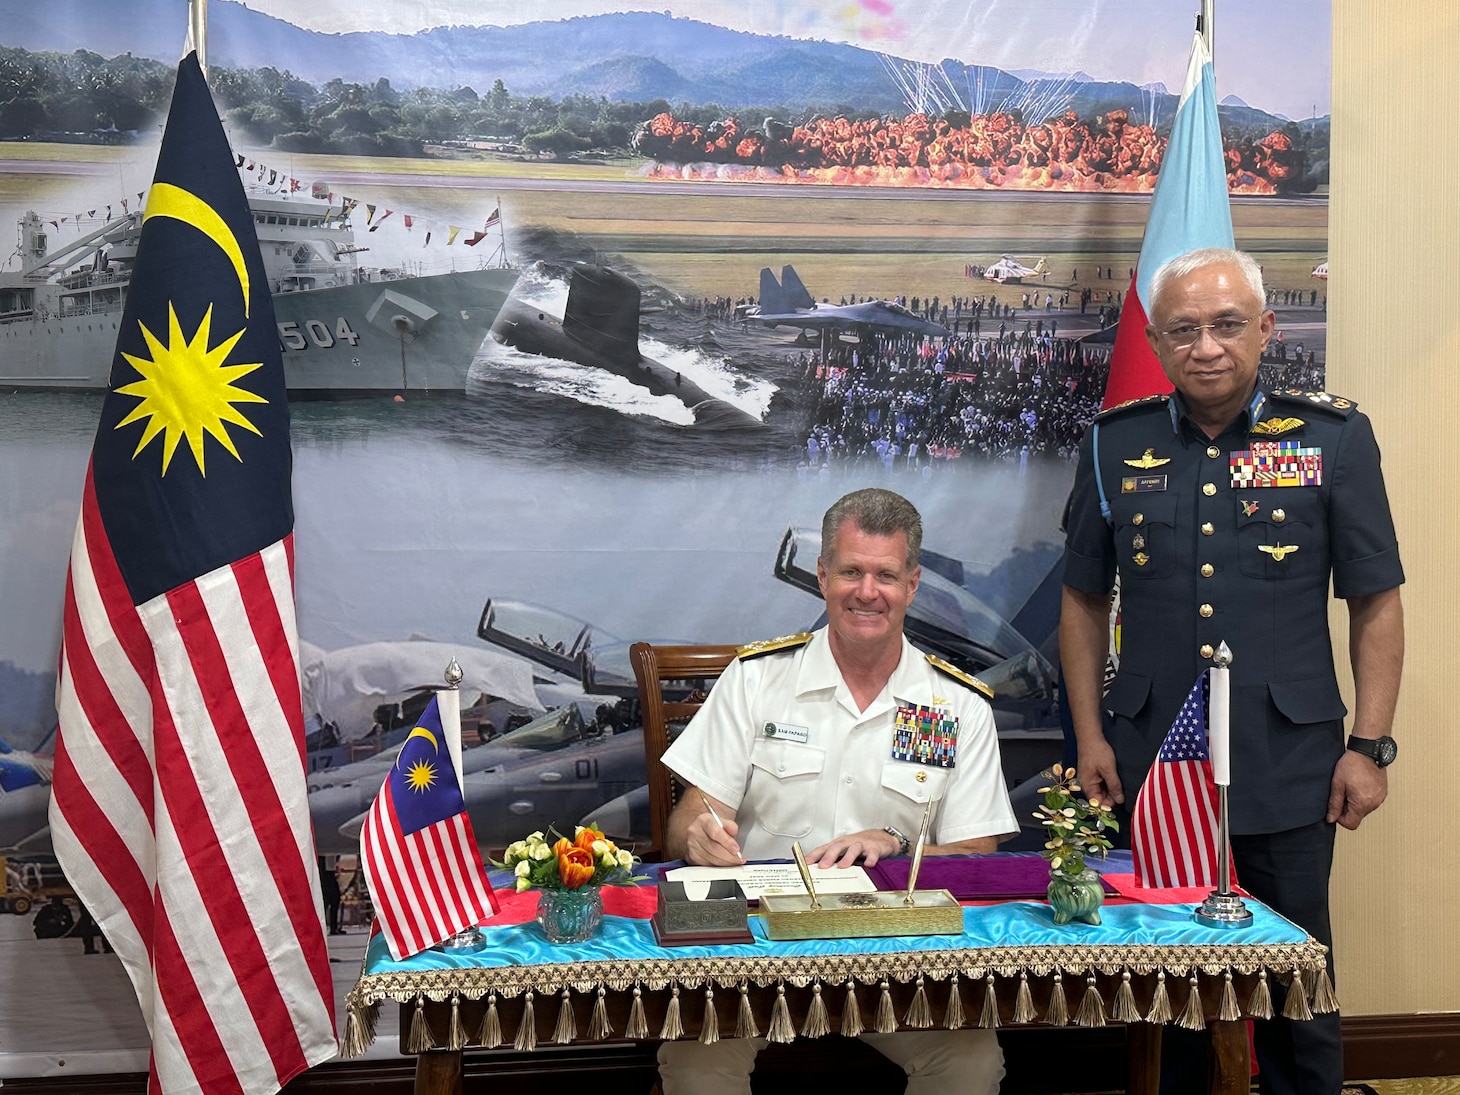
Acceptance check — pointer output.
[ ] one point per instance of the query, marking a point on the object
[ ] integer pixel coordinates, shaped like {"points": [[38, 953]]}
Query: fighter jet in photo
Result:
{"points": [[786, 303], [1010, 271], [25, 794]]}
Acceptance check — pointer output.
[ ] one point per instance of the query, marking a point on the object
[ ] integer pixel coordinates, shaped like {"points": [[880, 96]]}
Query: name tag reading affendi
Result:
{"points": [[925, 735]]}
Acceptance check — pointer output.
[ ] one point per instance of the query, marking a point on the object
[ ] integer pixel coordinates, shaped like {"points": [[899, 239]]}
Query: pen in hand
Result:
{"points": [[721, 824]]}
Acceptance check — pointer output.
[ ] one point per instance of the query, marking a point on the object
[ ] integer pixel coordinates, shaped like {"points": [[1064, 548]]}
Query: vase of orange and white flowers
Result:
{"points": [[571, 875]]}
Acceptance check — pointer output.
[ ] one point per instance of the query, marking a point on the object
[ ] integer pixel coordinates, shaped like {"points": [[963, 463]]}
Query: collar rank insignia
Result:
{"points": [[1149, 459], [925, 735], [1277, 551], [1275, 426]]}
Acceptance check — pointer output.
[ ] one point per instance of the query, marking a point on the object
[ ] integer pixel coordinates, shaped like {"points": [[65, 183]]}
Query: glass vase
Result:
{"points": [[1076, 897], [570, 916]]}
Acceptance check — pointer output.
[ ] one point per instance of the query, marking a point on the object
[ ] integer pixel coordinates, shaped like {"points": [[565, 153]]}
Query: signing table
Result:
{"points": [[1145, 965]]}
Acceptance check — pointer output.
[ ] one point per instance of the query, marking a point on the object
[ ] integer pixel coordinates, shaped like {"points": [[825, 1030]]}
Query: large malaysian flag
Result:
{"points": [[179, 811]]}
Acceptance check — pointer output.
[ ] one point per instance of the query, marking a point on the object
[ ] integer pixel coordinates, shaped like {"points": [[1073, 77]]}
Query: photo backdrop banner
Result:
{"points": [[588, 314]]}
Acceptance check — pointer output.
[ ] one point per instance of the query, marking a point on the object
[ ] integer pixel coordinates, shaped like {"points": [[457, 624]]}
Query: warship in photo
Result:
{"points": [[344, 328]]}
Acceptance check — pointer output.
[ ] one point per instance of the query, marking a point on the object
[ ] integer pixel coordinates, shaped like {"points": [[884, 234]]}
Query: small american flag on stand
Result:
{"points": [[420, 855], [1174, 827]]}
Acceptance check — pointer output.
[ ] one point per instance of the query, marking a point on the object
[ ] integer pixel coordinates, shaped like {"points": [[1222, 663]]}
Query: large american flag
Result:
{"points": [[1174, 829], [179, 811], [420, 855]]}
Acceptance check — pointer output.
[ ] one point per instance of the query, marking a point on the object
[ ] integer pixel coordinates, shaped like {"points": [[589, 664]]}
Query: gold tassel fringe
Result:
{"points": [[919, 1013], [1191, 1016], [710, 1024], [527, 1030], [1059, 1010], [781, 1029], [885, 1021], [638, 1027], [419, 1039], [1229, 1009], [988, 1018], [1325, 1000], [491, 1033], [1260, 1005], [818, 1023], [567, 1028], [851, 1012], [953, 1018], [455, 1033], [1024, 1001], [1160, 1002], [672, 1027], [359, 1029], [1296, 1005], [1092, 1008], [599, 1026], [745, 1021], [1124, 1008]]}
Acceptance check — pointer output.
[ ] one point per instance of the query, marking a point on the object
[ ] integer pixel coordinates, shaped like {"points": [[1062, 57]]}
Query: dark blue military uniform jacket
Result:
{"points": [[1233, 539]]}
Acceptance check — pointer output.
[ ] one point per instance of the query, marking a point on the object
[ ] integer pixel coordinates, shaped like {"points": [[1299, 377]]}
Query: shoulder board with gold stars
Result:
{"points": [[1129, 403], [1323, 401], [959, 675], [770, 646]]}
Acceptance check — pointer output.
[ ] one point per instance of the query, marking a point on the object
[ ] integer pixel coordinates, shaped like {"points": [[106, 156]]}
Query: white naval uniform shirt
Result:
{"points": [[825, 769]]}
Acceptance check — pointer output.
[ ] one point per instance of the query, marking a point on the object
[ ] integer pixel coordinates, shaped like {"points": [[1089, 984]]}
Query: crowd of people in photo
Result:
{"points": [[918, 403], [1063, 152]]}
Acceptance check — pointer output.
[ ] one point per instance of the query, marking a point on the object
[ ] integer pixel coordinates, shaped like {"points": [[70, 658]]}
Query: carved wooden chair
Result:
{"points": [[673, 683]]}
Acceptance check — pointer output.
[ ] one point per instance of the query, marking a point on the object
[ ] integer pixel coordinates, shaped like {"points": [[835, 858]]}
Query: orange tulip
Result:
{"points": [[575, 867], [587, 837], [562, 846]]}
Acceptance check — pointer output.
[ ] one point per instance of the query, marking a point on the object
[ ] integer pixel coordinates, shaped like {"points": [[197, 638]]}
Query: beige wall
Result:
{"points": [[1394, 346]]}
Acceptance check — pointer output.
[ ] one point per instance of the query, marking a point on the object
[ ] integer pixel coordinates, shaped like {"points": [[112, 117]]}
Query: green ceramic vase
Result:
{"points": [[1076, 897]]}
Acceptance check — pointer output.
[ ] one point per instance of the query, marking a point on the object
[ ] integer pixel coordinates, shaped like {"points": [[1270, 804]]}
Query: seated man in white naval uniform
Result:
{"points": [[823, 738]]}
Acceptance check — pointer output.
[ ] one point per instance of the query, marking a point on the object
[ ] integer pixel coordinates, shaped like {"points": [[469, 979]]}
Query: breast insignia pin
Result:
{"points": [[1277, 551]]}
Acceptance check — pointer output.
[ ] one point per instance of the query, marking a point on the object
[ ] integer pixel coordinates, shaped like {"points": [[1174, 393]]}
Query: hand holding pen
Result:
{"points": [[717, 835]]}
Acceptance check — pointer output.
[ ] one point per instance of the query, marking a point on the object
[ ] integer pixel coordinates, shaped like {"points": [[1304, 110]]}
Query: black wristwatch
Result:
{"points": [[903, 844], [1381, 751]]}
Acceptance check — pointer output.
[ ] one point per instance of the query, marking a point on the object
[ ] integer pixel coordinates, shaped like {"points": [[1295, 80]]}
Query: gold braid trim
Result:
{"points": [[509, 982]]}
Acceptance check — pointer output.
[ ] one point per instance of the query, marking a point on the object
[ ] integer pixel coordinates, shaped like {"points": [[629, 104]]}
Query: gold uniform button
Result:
{"points": [[1138, 519], [921, 777], [1209, 489], [1207, 570], [1279, 516], [1205, 610], [1206, 650], [1207, 528], [1213, 451]]}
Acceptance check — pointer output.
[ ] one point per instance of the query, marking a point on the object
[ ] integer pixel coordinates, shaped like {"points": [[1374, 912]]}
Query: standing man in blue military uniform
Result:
{"points": [[1224, 510]]}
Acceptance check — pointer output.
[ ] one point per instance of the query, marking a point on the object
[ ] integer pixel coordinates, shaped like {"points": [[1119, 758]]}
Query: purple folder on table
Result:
{"points": [[972, 878]]}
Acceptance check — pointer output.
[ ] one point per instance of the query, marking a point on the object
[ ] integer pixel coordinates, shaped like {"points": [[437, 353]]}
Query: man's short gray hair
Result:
{"points": [[877, 512], [1192, 261]]}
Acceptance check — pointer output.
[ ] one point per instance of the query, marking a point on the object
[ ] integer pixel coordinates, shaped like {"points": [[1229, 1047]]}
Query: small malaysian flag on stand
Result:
{"points": [[419, 852], [1175, 822]]}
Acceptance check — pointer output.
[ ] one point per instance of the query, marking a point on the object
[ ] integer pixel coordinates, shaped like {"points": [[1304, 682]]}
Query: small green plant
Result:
{"points": [[1076, 826]]}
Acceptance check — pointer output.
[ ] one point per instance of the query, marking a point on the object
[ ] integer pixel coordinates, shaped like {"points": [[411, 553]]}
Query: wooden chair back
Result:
{"points": [[673, 684]]}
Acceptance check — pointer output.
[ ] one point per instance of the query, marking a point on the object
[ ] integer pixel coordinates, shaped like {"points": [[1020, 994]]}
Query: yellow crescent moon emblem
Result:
{"points": [[419, 731], [166, 200]]}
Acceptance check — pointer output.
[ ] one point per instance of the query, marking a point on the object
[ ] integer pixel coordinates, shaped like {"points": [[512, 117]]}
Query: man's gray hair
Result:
{"points": [[1200, 259], [878, 512]]}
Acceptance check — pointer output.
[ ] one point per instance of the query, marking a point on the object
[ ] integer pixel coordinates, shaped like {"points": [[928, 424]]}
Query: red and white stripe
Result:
{"points": [[1175, 826], [427, 885], [180, 812]]}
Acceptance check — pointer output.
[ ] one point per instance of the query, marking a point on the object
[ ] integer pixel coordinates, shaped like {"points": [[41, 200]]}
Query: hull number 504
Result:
{"points": [[292, 337]]}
